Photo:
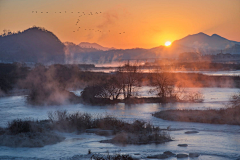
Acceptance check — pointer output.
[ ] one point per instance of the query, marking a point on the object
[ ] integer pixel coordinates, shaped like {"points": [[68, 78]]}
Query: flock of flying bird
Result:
{"points": [[78, 20], [66, 12]]}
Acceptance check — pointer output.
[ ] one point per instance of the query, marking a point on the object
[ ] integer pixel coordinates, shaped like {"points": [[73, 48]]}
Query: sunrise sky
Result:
{"points": [[146, 23]]}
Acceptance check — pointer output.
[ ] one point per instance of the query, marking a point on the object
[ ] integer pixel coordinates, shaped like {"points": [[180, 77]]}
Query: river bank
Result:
{"points": [[225, 137], [229, 115]]}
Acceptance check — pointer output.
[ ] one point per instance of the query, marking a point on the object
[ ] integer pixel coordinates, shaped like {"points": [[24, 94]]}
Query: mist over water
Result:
{"points": [[212, 141], [108, 77]]}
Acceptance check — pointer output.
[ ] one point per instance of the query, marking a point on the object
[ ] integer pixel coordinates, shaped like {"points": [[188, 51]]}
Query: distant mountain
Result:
{"points": [[32, 45], [72, 47], [77, 54], [39, 45], [171, 52], [204, 43], [200, 43], [94, 45]]}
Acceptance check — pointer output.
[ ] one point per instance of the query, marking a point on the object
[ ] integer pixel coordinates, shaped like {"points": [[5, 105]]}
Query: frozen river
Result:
{"points": [[215, 142]]}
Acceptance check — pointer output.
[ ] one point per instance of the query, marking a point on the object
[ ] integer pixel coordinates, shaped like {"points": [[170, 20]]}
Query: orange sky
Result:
{"points": [[146, 23]]}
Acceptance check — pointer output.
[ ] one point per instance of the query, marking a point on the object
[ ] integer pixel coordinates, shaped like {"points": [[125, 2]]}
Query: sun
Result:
{"points": [[168, 43]]}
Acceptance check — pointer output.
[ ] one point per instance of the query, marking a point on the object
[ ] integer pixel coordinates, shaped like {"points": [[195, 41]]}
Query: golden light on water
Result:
{"points": [[168, 43]]}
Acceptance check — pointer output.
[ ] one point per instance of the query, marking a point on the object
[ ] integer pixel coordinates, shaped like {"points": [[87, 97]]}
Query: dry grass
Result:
{"points": [[111, 157], [138, 132], [230, 115], [28, 133], [139, 138]]}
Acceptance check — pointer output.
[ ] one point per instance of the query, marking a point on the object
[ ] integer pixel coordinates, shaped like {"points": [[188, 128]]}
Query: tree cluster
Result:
{"points": [[122, 83]]}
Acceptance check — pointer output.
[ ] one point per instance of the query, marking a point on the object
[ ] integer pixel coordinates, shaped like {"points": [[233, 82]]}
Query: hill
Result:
{"points": [[204, 43], [32, 45]]}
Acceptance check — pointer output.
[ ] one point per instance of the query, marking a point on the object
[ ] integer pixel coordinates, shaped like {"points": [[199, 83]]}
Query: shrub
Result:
{"points": [[192, 97], [19, 126], [142, 131], [111, 157], [23, 126]]}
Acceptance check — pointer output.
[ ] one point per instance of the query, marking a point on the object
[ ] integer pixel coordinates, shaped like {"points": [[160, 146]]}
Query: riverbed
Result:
{"points": [[212, 142]]}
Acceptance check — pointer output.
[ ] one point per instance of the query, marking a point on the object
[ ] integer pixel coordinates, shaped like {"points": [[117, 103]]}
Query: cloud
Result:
{"points": [[110, 18]]}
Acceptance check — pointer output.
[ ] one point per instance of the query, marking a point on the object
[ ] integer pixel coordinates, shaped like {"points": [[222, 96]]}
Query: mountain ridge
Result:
{"points": [[204, 41], [41, 46]]}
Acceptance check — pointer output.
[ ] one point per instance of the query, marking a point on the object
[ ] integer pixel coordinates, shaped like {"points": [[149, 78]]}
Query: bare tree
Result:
{"points": [[113, 87], [165, 87], [130, 78], [111, 90], [164, 84]]}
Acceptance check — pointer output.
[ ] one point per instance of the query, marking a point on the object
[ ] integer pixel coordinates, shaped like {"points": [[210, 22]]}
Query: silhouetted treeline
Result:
{"points": [[10, 74], [51, 85], [200, 80], [194, 66], [207, 66], [123, 83], [71, 76], [166, 86]]}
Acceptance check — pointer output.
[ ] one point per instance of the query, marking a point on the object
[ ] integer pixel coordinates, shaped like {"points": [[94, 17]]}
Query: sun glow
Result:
{"points": [[168, 43]]}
